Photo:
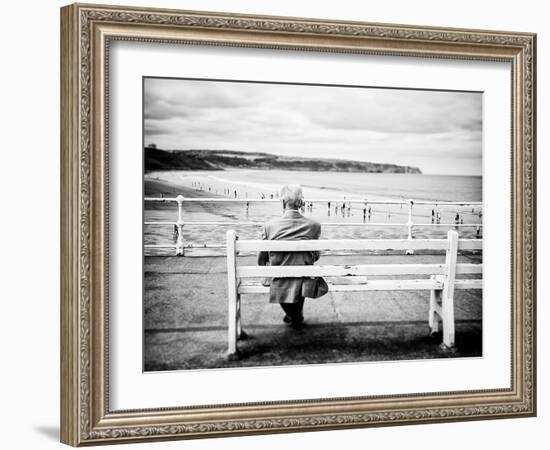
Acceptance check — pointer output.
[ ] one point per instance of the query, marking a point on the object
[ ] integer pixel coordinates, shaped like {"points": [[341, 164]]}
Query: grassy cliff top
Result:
{"points": [[157, 159]]}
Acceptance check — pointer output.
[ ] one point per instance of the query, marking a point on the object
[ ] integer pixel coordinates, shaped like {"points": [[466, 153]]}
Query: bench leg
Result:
{"points": [[448, 313], [433, 316], [238, 315], [232, 324], [241, 334]]}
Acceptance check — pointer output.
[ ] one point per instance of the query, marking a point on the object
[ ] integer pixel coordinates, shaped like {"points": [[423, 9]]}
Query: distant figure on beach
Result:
{"points": [[288, 292]]}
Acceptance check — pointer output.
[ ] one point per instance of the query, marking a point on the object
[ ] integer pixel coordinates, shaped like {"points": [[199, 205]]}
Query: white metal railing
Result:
{"points": [[180, 245]]}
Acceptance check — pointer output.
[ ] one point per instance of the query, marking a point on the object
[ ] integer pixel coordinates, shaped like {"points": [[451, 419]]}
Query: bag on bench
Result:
{"points": [[314, 287]]}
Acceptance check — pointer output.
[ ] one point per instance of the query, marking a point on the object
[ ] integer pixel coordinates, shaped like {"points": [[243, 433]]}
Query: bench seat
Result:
{"points": [[255, 287]]}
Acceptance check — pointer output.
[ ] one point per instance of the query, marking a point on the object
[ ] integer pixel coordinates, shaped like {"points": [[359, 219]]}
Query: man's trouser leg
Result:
{"points": [[294, 311]]}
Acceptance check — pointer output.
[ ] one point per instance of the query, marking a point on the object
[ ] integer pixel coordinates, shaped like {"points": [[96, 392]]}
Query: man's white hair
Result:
{"points": [[292, 196]]}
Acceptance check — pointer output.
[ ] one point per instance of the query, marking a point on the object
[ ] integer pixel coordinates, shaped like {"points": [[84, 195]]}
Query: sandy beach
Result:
{"points": [[255, 183], [352, 222]]}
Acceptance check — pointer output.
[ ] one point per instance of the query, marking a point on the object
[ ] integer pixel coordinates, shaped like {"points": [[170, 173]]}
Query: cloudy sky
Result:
{"points": [[439, 132]]}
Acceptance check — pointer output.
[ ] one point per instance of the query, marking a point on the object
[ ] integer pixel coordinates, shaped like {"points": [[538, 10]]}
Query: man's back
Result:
{"points": [[289, 292], [293, 227]]}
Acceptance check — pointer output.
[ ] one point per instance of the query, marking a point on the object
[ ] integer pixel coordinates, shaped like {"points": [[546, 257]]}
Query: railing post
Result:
{"points": [[447, 300], [409, 225], [232, 286], [179, 225]]}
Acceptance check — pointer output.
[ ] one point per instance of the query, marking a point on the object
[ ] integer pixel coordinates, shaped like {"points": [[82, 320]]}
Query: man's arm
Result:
{"points": [[263, 257]]}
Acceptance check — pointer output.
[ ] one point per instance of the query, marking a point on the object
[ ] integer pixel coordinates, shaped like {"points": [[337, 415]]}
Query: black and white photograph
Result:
{"points": [[293, 224]]}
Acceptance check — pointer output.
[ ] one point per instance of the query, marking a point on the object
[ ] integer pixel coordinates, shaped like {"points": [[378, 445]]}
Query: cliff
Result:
{"points": [[156, 159]]}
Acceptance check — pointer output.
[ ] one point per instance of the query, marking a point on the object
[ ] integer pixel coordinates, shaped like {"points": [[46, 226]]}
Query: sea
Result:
{"points": [[345, 212]]}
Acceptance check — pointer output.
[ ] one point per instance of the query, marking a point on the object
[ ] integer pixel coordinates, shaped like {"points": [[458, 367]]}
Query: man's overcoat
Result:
{"points": [[293, 227]]}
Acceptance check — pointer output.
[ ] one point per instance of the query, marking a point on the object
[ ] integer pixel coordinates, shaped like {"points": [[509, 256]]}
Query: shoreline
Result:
{"points": [[331, 186], [153, 187], [176, 182]]}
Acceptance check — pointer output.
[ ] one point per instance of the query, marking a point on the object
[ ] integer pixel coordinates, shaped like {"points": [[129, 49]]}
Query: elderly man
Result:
{"points": [[291, 226]]}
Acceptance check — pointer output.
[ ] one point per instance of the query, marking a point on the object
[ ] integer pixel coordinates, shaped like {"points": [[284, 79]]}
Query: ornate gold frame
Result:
{"points": [[86, 31]]}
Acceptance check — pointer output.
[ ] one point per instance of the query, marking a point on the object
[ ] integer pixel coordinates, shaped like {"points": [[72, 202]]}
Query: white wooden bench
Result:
{"points": [[440, 279]]}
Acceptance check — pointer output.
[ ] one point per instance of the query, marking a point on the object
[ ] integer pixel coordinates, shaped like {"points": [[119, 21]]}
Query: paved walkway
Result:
{"points": [[185, 316]]}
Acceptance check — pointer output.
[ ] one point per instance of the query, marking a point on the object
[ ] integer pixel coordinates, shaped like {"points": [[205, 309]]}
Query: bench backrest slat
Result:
{"points": [[355, 244], [470, 244], [342, 244]]}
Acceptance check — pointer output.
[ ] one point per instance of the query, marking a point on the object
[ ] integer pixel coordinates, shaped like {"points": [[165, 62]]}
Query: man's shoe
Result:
{"points": [[297, 325], [288, 320]]}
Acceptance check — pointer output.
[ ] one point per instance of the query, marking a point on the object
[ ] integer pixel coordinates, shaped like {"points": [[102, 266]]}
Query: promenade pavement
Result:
{"points": [[185, 319]]}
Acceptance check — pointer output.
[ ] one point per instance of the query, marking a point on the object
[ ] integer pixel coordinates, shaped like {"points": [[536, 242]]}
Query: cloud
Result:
{"points": [[397, 111], [431, 129], [169, 98]]}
